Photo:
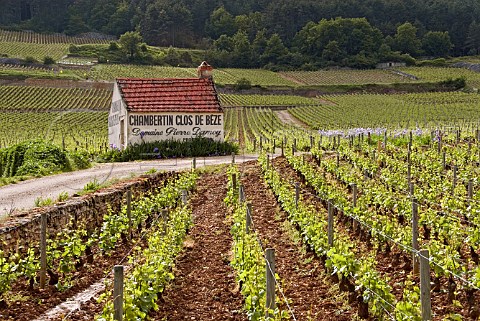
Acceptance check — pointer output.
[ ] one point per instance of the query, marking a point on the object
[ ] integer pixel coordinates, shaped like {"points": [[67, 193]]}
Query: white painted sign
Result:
{"points": [[163, 126]]}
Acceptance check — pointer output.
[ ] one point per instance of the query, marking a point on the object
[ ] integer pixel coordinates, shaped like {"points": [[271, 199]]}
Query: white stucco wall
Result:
{"points": [[116, 115], [148, 127]]}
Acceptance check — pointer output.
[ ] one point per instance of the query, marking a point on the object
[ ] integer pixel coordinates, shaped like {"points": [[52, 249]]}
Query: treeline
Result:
{"points": [[417, 28]]}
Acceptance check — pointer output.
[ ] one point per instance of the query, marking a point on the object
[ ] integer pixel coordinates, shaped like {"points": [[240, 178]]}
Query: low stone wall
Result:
{"points": [[23, 229]]}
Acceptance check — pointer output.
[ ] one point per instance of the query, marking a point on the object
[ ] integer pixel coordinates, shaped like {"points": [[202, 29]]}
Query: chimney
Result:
{"points": [[205, 70]]}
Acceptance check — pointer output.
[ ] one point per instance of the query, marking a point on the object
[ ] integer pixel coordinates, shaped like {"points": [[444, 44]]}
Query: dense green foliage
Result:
{"points": [[199, 146], [264, 33], [37, 158]]}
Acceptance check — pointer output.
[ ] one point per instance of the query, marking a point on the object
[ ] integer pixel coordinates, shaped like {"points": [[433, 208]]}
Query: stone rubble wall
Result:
{"points": [[21, 230]]}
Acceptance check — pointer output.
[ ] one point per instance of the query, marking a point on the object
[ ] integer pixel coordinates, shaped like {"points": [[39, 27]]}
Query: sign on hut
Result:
{"points": [[147, 110]]}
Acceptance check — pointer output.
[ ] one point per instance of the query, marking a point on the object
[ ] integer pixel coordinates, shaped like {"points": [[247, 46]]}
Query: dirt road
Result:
{"points": [[23, 194]]}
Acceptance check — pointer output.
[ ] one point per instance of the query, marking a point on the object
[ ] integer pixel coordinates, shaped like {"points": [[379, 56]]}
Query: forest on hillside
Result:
{"points": [[270, 32]]}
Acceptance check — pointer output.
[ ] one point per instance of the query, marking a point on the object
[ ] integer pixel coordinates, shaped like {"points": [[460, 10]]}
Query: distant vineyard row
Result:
{"points": [[39, 38], [256, 77], [392, 111], [19, 98]]}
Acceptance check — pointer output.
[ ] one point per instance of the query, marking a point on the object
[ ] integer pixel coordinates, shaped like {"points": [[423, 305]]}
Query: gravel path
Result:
{"points": [[287, 118], [22, 195]]}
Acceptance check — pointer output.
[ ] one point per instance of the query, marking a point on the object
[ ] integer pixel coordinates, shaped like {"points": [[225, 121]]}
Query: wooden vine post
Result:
{"points": [[330, 224], [194, 163], [184, 197], [409, 168], [425, 298], [415, 235], [233, 158], [129, 213], [297, 193], [270, 274], [248, 218], [118, 293], [455, 169], [241, 193], [354, 203], [43, 250], [470, 190], [234, 181]]}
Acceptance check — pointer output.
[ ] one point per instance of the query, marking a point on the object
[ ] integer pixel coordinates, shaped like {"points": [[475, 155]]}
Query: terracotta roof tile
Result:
{"points": [[169, 95]]}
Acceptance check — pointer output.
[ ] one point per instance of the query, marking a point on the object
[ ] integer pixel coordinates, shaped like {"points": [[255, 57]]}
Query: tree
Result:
{"points": [[119, 22], [223, 43], [258, 46], [172, 57], [333, 52], [336, 39], [154, 25], [241, 50], [250, 23], [274, 51], [221, 22], [130, 42], [406, 40], [437, 43], [76, 25], [473, 38]]}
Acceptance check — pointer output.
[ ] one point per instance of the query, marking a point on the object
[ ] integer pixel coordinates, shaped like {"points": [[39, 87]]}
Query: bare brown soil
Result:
{"points": [[204, 287], [303, 276]]}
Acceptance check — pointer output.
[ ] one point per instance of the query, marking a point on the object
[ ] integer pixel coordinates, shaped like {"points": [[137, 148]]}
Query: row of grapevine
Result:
{"points": [[248, 256], [355, 270], [35, 99], [48, 39], [432, 74], [344, 77], [72, 130], [37, 51], [74, 246], [152, 266], [392, 111], [446, 228], [265, 100]]}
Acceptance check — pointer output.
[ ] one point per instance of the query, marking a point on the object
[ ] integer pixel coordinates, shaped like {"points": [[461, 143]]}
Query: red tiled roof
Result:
{"points": [[169, 95]]}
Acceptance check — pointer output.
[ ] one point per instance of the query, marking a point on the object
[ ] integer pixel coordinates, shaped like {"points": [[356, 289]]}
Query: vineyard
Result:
{"points": [[363, 219], [30, 71], [38, 99], [356, 207], [34, 50], [344, 77], [70, 129], [426, 110], [39, 38], [73, 118], [236, 100], [439, 74], [21, 44]]}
